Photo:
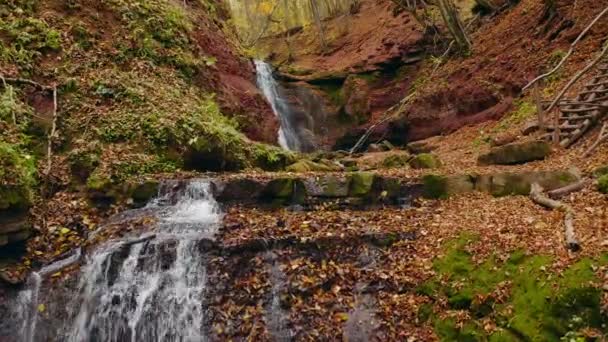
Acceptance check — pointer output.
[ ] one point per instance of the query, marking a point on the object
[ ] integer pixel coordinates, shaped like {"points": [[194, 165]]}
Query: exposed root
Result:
{"points": [[537, 195]]}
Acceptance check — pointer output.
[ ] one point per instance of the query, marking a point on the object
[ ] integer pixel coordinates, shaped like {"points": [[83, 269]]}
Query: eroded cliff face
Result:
{"points": [[379, 55], [372, 58]]}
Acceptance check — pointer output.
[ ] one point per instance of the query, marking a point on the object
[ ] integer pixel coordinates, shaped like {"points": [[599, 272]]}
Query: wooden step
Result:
{"points": [[564, 127], [579, 117], [580, 110], [598, 91], [596, 84]]}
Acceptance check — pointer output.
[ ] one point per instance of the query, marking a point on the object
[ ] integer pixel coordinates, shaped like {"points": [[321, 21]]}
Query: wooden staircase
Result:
{"points": [[578, 116]]}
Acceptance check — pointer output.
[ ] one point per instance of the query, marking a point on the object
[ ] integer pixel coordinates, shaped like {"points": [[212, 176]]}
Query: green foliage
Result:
{"points": [[540, 307], [26, 38], [159, 32], [17, 176], [523, 111]]}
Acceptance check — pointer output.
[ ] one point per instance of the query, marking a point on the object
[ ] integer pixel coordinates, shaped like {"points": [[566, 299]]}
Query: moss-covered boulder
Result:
{"points": [[505, 184], [602, 184], [512, 154], [439, 187], [17, 178], [285, 191], [329, 186], [306, 165], [242, 190], [361, 184], [425, 161], [144, 192], [395, 161]]}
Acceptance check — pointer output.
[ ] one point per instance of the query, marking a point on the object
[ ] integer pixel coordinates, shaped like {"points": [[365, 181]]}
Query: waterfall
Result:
{"points": [[288, 136], [153, 290]]}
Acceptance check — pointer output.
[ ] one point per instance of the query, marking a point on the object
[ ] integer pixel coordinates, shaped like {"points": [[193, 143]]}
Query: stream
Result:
{"points": [[148, 290]]}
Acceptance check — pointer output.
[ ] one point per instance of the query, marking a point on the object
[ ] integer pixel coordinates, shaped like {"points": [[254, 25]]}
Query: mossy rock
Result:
{"points": [[512, 154], [14, 198], [419, 147], [285, 191], [425, 161], [435, 186], [144, 192], [17, 178], [505, 184], [395, 161], [361, 184], [306, 165], [602, 184], [328, 186], [441, 187]]}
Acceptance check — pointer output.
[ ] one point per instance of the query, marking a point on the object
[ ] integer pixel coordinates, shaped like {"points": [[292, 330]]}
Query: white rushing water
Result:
{"points": [[154, 290], [288, 136]]}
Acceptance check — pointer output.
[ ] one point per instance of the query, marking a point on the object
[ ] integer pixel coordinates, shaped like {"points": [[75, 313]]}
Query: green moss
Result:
{"points": [[26, 38], [425, 312], [425, 161], [395, 161], [524, 110], [306, 165], [361, 184], [285, 191], [17, 177], [435, 186], [602, 184], [99, 181], [541, 306]]}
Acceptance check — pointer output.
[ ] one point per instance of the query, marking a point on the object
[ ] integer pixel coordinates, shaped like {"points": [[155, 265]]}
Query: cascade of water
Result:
{"points": [[154, 290], [288, 136]]}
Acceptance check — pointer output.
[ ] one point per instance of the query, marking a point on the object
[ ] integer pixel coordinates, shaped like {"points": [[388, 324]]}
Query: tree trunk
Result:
{"points": [[454, 24], [317, 18]]}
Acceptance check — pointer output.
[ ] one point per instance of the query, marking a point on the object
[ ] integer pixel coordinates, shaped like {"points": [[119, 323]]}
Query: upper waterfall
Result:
{"points": [[288, 136]]}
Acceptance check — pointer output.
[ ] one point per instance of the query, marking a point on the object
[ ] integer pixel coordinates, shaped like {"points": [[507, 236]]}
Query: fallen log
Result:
{"points": [[537, 195]]}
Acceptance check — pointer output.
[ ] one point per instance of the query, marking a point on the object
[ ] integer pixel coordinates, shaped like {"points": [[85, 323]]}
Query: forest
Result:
{"points": [[303, 170]]}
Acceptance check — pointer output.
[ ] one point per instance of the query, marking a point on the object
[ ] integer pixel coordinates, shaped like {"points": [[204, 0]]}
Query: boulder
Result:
{"points": [[395, 161], [327, 186], [14, 197], [144, 192], [418, 147], [439, 187], [516, 153], [602, 184], [505, 184], [425, 161], [502, 140], [285, 190], [238, 190], [361, 184], [499, 184], [306, 165]]}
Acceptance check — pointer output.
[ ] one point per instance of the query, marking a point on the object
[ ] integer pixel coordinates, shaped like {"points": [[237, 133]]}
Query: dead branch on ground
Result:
{"points": [[537, 195]]}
